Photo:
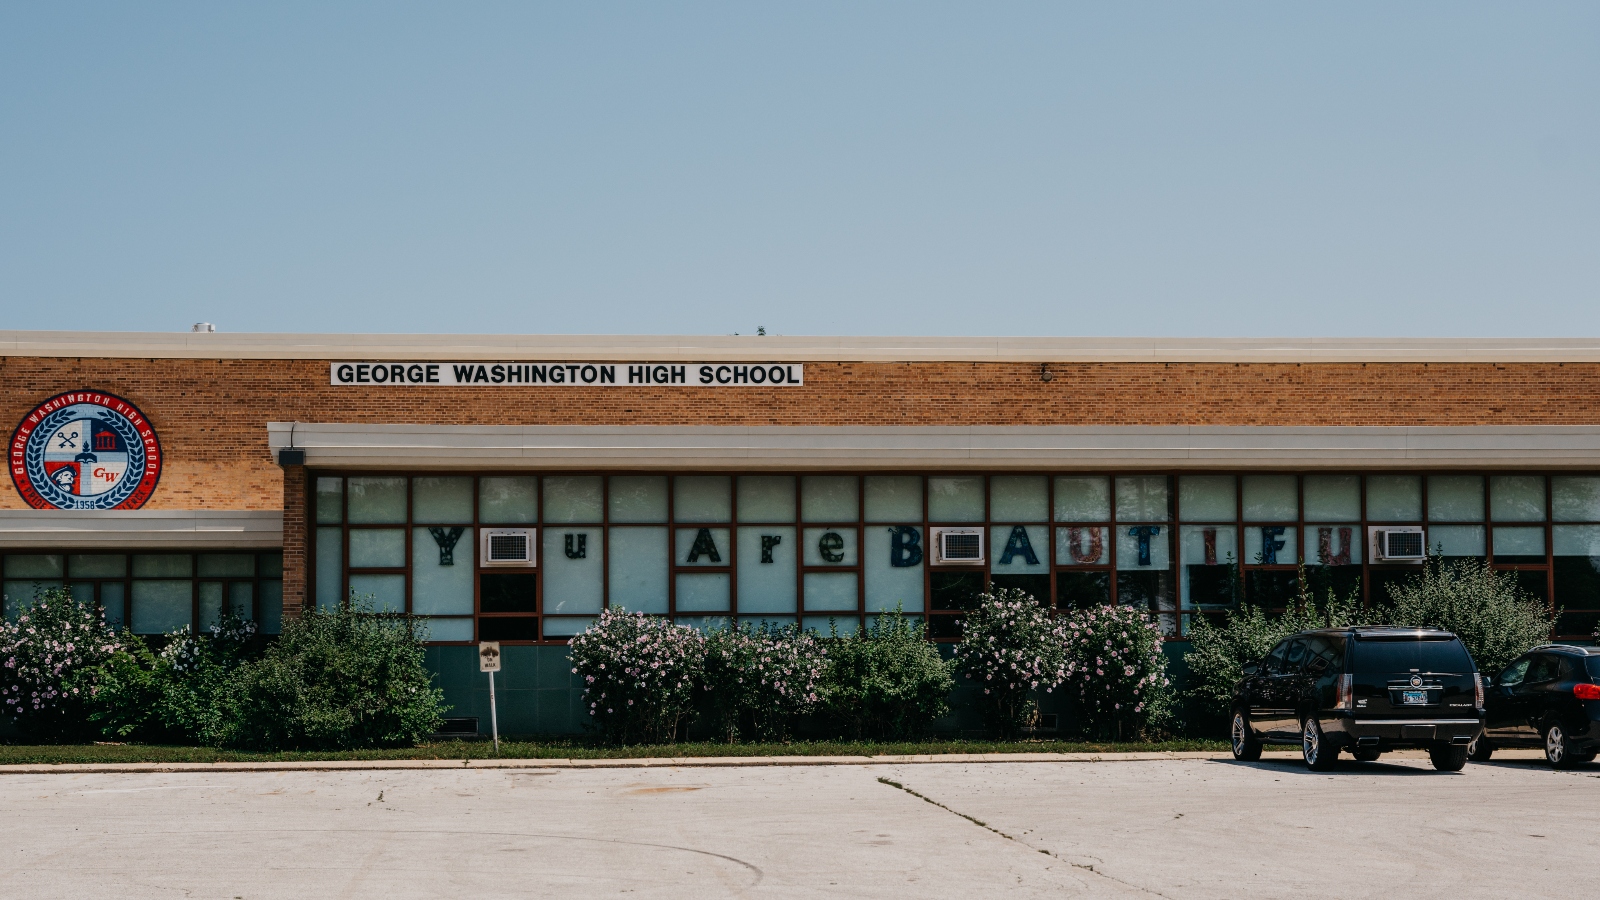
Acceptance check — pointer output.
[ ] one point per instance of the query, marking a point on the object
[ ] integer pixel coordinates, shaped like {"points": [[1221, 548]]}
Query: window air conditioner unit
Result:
{"points": [[1398, 543], [508, 547], [958, 546]]}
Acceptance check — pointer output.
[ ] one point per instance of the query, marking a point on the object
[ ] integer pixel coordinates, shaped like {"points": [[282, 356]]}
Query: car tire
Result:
{"points": [[1245, 746], [1366, 755], [1557, 749], [1447, 757], [1480, 750], [1319, 755], [1581, 758]]}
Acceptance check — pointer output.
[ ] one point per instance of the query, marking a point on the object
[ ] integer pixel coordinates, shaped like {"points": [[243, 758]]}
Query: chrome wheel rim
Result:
{"points": [[1310, 741], [1555, 748], [1238, 733]]}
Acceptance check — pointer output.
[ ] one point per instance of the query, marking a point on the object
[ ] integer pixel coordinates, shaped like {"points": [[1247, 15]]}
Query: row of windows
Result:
{"points": [[154, 593]]}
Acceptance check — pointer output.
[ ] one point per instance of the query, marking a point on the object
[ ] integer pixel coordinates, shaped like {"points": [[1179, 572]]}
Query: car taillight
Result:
{"points": [[1343, 692], [1586, 691], [1477, 690]]}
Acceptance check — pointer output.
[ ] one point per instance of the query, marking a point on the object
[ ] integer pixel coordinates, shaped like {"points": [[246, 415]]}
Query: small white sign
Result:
{"points": [[489, 656]]}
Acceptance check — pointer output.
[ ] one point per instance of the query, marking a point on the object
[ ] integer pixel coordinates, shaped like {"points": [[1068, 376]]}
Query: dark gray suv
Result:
{"points": [[1364, 690]]}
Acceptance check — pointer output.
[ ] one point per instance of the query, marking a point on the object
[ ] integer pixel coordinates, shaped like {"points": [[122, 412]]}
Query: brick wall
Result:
{"points": [[211, 414]]}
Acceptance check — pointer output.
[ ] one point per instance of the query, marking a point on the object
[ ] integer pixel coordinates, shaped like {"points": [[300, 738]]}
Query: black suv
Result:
{"points": [[1550, 698], [1362, 689]]}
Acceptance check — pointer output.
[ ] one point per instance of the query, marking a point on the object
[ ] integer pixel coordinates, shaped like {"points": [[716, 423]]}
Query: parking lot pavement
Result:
{"points": [[1185, 828]]}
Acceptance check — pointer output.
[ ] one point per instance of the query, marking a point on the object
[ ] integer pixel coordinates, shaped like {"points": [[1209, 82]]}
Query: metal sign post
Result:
{"points": [[489, 661]]}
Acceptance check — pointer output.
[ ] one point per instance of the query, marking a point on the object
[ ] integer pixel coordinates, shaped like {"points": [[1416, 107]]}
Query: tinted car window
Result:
{"points": [[1273, 664], [1543, 668], [1593, 663], [1515, 673], [1295, 658], [1329, 650], [1389, 655]]}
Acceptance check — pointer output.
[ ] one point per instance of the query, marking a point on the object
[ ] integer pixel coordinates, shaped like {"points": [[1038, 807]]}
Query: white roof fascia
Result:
{"points": [[137, 529]]}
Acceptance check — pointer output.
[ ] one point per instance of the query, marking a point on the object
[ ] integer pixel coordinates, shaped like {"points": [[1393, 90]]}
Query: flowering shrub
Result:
{"points": [[885, 682], [173, 695], [639, 675], [760, 680], [1119, 675], [44, 656], [1011, 647]]}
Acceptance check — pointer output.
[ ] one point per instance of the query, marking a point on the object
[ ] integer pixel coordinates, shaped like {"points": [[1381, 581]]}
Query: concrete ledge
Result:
{"points": [[137, 529]]}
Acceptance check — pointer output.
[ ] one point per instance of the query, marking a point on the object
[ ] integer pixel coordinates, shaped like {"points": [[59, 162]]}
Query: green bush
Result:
{"points": [[47, 658], [886, 682], [1118, 673], [640, 675], [178, 695], [759, 681], [1494, 618], [1011, 647], [334, 680]]}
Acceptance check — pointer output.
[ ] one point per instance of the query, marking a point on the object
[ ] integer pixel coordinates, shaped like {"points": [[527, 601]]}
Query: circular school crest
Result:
{"points": [[85, 450]]}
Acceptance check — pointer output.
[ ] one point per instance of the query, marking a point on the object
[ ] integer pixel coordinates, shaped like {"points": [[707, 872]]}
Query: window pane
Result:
{"points": [[437, 588], [1019, 549], [892, 564], [766, 498], [165, 565], [894, 498], [508, 499], [1577, 565], [1209, 554], [445, 499], [702, 624], [1457, 540], [522, 628], [704, 592], [377, 548], [241, 600], [1018, 498], [1394, 498], [377, 500], [1333, 545], [828, 498], [1516, 498], [271, 607], [572, 498], [230, 565], [1575, 498], [330, 501], [99, 565], [1455, 498], [1271, 545], [211, 593], [828, 592], [34, 566], [1575, 540], [161, 606], [458, 630], [1083, 498], [1082, 590], [1271, 498], [830, 547], [330, 568], [1143, 547], [637, 563], [844, 624], [19, 595], [566, 627], [114, 600], [387, 593], [271, 564], [1332, 498], [638, 498], [573, 572], [766, 569], [508, 592], [1082, 546], [1206, 498], [702, 498], [955, 499], [704, 547], [1142, 498], [1519, 542]]}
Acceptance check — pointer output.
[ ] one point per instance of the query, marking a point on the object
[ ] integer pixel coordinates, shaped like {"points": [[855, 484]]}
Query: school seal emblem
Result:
{"points": [[85, 450]]}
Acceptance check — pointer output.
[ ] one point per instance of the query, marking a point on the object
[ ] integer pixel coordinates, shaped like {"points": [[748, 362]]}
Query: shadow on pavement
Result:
{"points": [[1296, 766]]}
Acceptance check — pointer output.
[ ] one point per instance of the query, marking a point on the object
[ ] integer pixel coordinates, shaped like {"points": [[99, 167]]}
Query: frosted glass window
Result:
{"points": [[766, 498], [1206, 498], [637, 562], [702, 624], [1455, 498], [704, 592], [330, 501], [19, 595], [384, 593], [1019, 498], [442, 499], [702, 498], [226, 565], [830, 547], [638, 498], [458, 630], [829, 498], [1083, 498], [827, 626], [572, 498], [377, 548], [1457, 540], [1086, 545], [161, 606], [1271, 498], [1394, 498], [508, 499], [1332, 498], [711, 548], [828, 592], [1018, 542], [1333, 545], [1142, 498], [99, 565], [377, 500], [37, 566], [211, 593], [1575, 498], [1516, 498], [113, 599], [573, 569], [271, 607], [1208, 554], [955, 499], [893, 498], [81, 592], [1264, 546], [160, 565], [1519, 541], [1575, 540], [330, 568], [271, 564], [888, 584], [241, 599], [1143, 548], [564, 627], [438, 589], [766, 586]]}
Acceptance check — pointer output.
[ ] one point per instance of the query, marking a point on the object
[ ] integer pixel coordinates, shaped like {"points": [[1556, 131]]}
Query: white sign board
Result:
{"points": [[565, 374], [489, 656]]}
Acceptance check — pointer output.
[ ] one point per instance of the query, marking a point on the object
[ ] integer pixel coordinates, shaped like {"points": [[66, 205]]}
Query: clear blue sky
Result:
{"points": [[816, 168]]}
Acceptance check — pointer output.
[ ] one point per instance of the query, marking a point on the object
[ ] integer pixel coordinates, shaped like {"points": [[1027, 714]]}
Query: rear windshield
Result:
{"points": [[1447, 656], [1593, 662]]}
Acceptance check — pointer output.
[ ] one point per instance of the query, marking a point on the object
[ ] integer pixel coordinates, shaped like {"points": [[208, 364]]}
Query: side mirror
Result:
{"points": [[1251, 668]]}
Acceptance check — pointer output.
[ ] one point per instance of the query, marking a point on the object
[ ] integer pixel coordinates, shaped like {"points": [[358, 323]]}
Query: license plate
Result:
{"points": [[1414, 698]]}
